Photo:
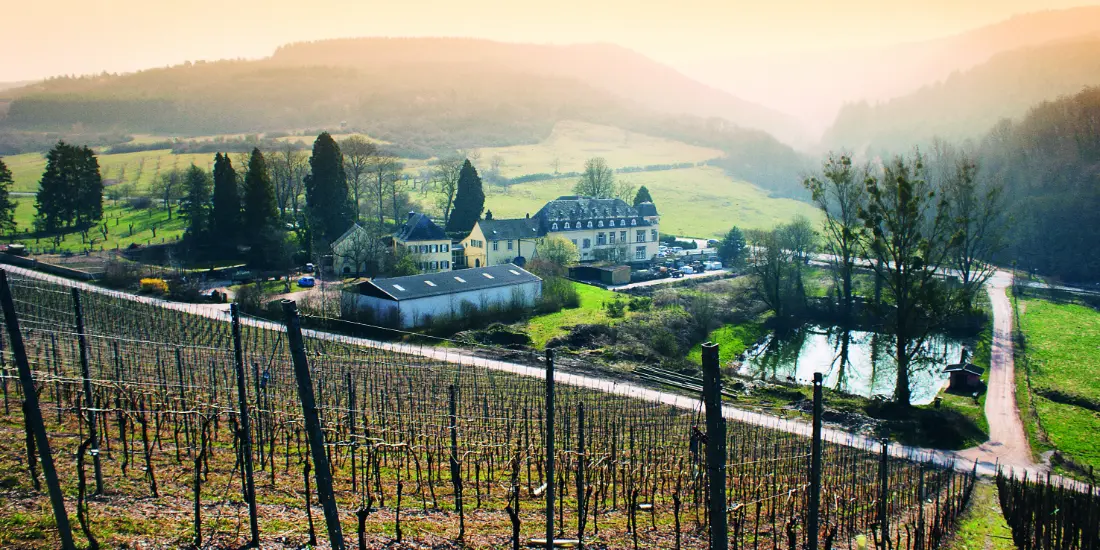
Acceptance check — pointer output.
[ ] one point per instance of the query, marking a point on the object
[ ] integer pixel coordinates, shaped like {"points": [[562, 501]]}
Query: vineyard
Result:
{"points": [[167, 430]]}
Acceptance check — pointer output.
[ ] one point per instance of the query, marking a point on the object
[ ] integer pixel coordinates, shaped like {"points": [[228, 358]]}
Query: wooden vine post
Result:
{"points": [[550, 448], [815, 465], [82, 342], [245, 429], [716, 447], [33, 415], [321, 471]]}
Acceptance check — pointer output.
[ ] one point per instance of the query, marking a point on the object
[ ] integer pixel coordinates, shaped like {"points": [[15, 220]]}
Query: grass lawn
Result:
{"points": [[140, 168], [571, 143], [965, 404], [982, 526], [543, 328], [1063, 355], [118, 218], [732, 340]]}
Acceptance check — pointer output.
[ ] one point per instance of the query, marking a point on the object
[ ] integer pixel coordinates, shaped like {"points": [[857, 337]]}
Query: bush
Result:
{"points": [[615, 309], [557, 294], [121, 274], [250, 298], [140, 203], [154, 285], [640, 303]]}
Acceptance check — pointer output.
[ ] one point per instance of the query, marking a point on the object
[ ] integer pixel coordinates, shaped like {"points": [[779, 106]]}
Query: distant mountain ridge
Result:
{"points": [[967, 104]]}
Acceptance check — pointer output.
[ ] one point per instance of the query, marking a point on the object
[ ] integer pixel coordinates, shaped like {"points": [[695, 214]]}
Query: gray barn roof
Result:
{"points": [[446, 282], [510, 230], [420, 227]]}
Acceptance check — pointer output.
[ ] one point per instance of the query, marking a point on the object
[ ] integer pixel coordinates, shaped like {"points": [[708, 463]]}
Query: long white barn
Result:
{"points": [[415, 300]]}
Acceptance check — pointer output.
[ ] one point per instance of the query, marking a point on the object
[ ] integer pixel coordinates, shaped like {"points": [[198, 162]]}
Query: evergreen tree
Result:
{"points": [[56, 197], [261, 213], [469, 201], [196, 206], [330, 209], [7, 206], [642, 196], [225, 219], [89, 187], [732, 247]]}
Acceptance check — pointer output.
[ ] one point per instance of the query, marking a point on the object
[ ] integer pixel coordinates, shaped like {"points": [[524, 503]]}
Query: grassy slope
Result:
{"points": [[141, 168], [542, 328], [732, 340], [1063, 353], [982, 526], [118, 219]]}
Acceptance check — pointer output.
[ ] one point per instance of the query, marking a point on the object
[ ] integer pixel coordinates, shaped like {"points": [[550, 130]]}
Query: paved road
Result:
{"points": [[468, 357], [1008, 442]]}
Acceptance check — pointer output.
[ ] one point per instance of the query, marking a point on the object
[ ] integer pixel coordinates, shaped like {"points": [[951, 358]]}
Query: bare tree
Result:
{"points": [[399, 196], [975, 209], [288, 169], [384, 171], [359, 159], [597, 180], [169, 187], [839, 193], [445, 179]]}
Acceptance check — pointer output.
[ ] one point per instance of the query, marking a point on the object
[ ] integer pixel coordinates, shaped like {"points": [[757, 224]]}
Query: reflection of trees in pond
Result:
{"points": [[842, 341], [778, 357]]}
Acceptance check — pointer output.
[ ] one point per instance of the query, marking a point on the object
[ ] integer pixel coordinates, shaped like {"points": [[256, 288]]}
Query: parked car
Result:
{"points": [[307, 282], [712, 243], [676, 273], [310, 268], [686, 270]]}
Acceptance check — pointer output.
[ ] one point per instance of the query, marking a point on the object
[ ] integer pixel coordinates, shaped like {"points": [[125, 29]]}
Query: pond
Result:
{"points": [[869, 368]]}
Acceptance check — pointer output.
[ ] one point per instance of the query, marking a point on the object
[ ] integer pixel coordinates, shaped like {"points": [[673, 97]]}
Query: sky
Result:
{"points": [[43, 38]]}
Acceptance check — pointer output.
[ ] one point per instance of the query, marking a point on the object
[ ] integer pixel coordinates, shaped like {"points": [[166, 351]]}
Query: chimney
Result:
{"points": [[528, 215], [411, 214]]}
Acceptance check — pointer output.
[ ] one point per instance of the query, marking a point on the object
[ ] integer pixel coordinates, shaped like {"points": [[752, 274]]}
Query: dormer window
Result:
{"points": [[622, 223], [554, 227], [601, 223], [567, 225], [634, 222], [590, 225]]}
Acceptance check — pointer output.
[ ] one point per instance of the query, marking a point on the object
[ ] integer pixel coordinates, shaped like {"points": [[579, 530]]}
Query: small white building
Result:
{"points": [[415, 300]]}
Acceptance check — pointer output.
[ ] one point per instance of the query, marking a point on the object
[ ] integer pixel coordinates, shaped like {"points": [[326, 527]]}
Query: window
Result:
{"points": [[486, 275], [633, 222], [653, 235], [496, 245], [435, 265], [639, 253], [574, 242], [446, 248], [601, 239], [445, 264], [513, 272], [588, 243], [567, 225], [590, 225], [622, 237], [429, 283], [509, 245], [554, 226], [600, 223], [399, 287], [622, 223], [640, 236], [611, 237]]}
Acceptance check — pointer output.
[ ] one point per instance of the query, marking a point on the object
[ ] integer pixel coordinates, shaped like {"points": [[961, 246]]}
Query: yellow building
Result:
{"points": [[426, 242]]}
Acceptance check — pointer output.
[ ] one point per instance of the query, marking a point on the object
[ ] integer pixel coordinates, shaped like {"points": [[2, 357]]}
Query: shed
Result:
{"points": [[415, 300], [608, 275], [964, 376]]}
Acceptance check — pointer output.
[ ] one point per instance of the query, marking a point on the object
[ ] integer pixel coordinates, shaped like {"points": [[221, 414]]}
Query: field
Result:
{"points": [[1062, 340], [140, 169], [168, 415], [571, 143], [543, 328], [124, 226]]}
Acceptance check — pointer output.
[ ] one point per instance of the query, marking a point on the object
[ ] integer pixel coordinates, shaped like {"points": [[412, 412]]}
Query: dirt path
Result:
{"points": [[1008, 442]]}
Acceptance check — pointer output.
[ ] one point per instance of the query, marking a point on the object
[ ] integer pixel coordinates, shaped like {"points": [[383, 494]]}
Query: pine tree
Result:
{"points": [[642, 196], [89, 187], [226, 214], [330, 209], [56, 197], [7, 206], [195, 207], [469, 201], [261, 214]]}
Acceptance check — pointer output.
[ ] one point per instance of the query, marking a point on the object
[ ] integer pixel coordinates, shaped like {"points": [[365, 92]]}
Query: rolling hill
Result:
{"points": [[967, 104]]}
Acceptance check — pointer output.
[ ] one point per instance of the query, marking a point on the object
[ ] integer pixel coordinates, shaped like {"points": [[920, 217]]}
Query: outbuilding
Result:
{"points": [[416, 300], [964, 377]]}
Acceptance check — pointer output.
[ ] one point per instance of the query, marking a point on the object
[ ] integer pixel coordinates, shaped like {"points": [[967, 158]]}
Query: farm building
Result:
{"points": [[964, 376], [415, 300]]}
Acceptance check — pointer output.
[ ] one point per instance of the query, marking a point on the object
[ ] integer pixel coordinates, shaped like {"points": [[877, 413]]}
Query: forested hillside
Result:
{"points": [[967, 104], [1050, 165]]}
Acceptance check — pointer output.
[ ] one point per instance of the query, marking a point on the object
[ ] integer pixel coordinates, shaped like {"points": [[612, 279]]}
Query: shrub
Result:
{"points": [[615, 309], [121, 274], [154, 285], [640, 303], [140, 203]]}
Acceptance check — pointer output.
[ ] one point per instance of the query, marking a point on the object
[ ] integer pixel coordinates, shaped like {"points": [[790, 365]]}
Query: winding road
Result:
{"points": [[1007, 446]]}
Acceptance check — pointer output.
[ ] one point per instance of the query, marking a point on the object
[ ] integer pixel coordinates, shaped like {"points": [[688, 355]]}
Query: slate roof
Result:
{"points": [[967, 368], [646, 209], [572, 208], [354, 227], [446, 282], [510, 230], [419, 227]]}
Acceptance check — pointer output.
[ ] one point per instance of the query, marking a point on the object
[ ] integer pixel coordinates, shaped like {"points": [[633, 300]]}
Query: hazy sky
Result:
{"points": [[40, 38]]}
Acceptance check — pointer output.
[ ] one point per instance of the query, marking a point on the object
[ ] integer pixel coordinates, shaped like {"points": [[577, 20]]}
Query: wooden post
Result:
{"points": [[815, 464], [322, 473], [884, 493], [716, 447], [550, 448], [33, 415], [456, 474], [245, 430], [82, 341]]}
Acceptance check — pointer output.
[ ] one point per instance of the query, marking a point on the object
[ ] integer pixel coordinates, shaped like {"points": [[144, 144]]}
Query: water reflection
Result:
{"points": [[853, 361]]}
